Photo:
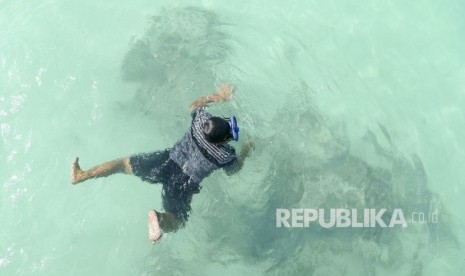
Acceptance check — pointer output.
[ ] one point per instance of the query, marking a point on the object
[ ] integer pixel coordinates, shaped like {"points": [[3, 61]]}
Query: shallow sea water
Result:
{"points": [[351, 105]]}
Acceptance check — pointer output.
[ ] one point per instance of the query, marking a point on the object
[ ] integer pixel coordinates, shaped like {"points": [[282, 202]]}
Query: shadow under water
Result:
{"points": [[175, 57], [312, 166]]}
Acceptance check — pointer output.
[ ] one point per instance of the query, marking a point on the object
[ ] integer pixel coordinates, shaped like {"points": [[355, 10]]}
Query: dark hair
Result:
{"points": [[217, 130]]}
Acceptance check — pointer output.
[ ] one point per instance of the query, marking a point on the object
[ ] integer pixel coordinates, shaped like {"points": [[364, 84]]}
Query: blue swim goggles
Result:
{"points": [[234, 128]]}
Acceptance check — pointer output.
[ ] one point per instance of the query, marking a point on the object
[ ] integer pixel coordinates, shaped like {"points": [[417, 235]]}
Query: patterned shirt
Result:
{"points": [[197, 157]]}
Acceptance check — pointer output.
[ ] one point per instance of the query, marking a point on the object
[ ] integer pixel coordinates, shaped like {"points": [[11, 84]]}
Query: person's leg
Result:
{"points": [[116, 166], [176, 202], [160, 223]]}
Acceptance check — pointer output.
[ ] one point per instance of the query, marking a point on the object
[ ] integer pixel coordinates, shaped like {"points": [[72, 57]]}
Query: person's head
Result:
{"points": [[217, 130]]}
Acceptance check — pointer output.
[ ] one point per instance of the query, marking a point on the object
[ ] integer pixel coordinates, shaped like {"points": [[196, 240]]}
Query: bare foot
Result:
{"points": [[154, 228], [76, 172]]}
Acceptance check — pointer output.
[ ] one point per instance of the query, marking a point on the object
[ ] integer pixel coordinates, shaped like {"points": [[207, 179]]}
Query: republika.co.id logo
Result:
{"points": [[339, 218]]}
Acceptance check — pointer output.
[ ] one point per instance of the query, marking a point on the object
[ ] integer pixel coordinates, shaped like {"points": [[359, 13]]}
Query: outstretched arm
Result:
{"points": [[224, 93]]}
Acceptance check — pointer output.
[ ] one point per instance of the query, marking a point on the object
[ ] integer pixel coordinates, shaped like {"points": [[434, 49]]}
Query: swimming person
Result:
{"points": [[203, 149]]}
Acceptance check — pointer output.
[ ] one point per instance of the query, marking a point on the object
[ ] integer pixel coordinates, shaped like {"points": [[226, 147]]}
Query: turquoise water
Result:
{"points": [[352, 104]]}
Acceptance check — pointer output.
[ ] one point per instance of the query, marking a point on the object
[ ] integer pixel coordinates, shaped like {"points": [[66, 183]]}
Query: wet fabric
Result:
{"points": [[196, 156], [178, 188]]}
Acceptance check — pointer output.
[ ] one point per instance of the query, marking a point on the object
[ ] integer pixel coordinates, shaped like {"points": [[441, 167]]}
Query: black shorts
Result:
{"points": [[157, 167]]}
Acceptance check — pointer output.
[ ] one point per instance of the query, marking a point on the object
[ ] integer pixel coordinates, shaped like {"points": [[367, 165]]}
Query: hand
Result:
{"points": [[250, 144], [224, 92]]}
